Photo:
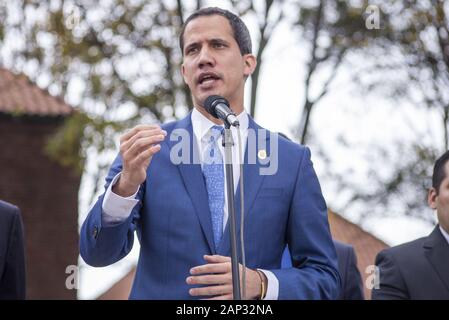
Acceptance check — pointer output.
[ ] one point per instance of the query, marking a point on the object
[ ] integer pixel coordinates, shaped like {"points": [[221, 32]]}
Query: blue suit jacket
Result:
{"points": [[174, 227], [351, 280]]}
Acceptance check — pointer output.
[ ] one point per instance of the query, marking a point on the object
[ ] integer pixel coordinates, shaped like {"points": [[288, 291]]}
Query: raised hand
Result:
{"points": [[137, 148]]}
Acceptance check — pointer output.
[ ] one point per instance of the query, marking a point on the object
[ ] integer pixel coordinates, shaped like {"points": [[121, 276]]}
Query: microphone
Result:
{"points": [[219, 108]]}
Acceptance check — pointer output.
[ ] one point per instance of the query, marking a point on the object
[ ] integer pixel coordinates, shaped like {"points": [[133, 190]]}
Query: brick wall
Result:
{"points": [[47, 195]]}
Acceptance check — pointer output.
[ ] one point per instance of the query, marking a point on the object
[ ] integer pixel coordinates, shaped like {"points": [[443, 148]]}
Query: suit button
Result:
{"points": [[95, 232]]}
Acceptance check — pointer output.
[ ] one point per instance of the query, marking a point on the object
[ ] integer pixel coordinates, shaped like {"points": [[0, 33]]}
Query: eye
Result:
{"points": [[191, 50], [219, 45]]}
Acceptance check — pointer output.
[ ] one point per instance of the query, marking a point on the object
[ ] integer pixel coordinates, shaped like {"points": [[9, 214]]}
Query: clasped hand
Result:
{"points": [[216, 276]]}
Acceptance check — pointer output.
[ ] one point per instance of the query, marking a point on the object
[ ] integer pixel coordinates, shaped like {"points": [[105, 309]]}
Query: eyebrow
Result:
{"points": [[213, 40], [218, 40]]}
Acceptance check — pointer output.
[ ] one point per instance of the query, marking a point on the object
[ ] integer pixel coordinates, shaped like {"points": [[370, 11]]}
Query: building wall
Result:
{"points": [[47, 195]]}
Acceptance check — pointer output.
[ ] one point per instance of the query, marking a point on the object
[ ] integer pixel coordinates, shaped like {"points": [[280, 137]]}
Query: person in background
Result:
{"points": [[12, 253], [419, 269], [351, 279]]}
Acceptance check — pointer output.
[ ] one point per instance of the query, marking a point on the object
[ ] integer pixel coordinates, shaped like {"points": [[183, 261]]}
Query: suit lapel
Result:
{"points": [[193, 179], [252, 182], [437, 251]]}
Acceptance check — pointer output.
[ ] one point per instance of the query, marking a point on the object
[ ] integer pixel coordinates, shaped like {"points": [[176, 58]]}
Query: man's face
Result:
{"points": [[213, 64], [440, 202]]}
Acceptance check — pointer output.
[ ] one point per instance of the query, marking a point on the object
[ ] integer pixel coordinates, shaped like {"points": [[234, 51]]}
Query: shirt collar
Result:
{"points": [[201, 124], [445, 234]]}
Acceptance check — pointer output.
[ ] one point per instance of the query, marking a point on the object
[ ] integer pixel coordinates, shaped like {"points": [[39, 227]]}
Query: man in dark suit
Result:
{"points": [[419, 269], [12, 255], [351, 280]]}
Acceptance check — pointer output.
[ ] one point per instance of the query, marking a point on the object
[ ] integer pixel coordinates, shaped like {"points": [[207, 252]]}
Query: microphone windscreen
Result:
{"points": [[211, 102]]}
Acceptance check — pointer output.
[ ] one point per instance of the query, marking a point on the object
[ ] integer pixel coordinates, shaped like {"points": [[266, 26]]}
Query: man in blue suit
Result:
{"points": [[173, 196], [351, 279], [12, 253]]}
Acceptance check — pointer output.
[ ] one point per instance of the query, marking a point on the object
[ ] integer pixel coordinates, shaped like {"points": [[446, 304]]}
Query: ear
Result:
{"points": [[250, 63], [432, 198], [183, 72]]}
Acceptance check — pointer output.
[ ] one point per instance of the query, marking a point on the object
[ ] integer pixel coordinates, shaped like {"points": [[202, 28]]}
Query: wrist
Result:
{"points": [[123, 188], [263, 285]]}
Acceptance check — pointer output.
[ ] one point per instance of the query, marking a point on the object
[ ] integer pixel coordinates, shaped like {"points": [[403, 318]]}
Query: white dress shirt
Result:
{"points": [[445, 234], [117, 209]]}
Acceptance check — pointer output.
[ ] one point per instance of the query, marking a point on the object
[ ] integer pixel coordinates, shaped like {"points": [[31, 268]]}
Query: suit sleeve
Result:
{"points": [[391, 285], [354, 285], [314, 274], [102, 245], [13, 282]]}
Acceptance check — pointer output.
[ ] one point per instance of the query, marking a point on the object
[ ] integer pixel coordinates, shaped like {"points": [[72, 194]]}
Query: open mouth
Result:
{"points": [[207, 79]]}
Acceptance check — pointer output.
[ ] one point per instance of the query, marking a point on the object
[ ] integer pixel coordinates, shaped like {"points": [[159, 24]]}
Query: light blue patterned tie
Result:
{"points": [[214, 176]]}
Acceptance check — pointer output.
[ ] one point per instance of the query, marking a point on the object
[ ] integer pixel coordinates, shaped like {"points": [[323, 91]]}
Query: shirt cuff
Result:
{"points": [[272, 285], [116, 209]]}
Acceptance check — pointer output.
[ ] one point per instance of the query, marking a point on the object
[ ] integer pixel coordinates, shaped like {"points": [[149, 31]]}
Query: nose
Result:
{"points": [[205, 58]]}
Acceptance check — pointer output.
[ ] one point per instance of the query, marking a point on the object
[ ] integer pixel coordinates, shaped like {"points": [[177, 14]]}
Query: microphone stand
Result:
{"points": [[227, 144]]}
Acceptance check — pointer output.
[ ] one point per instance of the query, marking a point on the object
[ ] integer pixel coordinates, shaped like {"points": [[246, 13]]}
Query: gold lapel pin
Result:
{"points": [[262, 154]]}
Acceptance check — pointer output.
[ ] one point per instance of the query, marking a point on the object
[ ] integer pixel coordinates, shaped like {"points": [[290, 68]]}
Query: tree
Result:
{"points": [[420, 30], [330, 29], [118, 62], [413, 72], [267, 18]]}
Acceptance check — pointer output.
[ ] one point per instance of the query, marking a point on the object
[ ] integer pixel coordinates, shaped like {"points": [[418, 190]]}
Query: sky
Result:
{"points": [[344, 111]]}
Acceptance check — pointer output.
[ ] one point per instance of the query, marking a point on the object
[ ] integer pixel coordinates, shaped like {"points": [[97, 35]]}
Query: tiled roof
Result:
{"points": [[365, 244], [19, 95]]}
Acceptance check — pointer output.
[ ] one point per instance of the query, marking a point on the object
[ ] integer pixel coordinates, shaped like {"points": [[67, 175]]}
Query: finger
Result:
{"points": [[216, 258], [211, 290], [211, 268], [210, 279], [145, 143], [141, 145], [127, 143], [128, 134], [222, 297], [146, 155]]}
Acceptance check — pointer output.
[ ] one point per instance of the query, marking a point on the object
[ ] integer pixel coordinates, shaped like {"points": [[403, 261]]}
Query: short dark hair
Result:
{"points": [[439, 174], [239, 29]]}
